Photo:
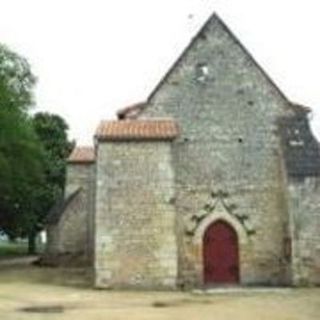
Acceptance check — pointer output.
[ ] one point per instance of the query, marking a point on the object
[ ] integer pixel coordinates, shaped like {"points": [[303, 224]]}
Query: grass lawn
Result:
{"points": [[8, 249]]}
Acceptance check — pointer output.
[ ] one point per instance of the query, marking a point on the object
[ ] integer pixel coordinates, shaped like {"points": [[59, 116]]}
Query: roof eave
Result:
{"points": [[134, 139]]}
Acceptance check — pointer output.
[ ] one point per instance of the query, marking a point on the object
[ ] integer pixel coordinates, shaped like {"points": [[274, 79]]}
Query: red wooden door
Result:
{"points": [[220, 254]]}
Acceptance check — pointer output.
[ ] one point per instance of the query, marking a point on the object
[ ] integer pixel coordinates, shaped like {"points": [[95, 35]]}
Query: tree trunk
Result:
{"points": [[32, 242], [12, 239]]}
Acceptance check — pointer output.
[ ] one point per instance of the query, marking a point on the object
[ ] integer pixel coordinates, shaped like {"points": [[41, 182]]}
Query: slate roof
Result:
{"points": [[301, 148], [151, 129], [82, 155], [300, 108]]}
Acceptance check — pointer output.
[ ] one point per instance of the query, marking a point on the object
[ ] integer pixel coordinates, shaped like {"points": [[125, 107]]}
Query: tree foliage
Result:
{"points": [[21, 155], [32, 152], [52, 133], [16, 80]]}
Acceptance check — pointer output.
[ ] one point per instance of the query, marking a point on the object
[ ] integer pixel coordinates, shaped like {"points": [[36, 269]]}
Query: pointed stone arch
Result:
{"points": [[220, 213]]}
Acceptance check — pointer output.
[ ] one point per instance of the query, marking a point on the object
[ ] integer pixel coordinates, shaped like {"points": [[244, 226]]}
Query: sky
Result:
{"points": [[93, 57]]}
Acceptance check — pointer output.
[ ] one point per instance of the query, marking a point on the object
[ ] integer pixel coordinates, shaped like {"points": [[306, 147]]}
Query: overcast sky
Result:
{"points": [[93, 57]]}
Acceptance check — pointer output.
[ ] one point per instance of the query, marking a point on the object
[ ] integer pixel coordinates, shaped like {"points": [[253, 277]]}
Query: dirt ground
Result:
{"points": [[28, 292]]}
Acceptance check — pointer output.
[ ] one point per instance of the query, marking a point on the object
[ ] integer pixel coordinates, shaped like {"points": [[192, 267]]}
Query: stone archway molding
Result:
{"points": [[222, 214]]}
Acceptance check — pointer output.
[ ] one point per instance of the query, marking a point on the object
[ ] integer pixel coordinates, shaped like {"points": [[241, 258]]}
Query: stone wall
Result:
{"points": [[229, 152], [305, 215], [71, 234], [135, 219], [302, 157]]}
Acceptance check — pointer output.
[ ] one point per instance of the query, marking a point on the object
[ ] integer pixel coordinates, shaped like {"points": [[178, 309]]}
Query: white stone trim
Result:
{"points": [[224, 216]]}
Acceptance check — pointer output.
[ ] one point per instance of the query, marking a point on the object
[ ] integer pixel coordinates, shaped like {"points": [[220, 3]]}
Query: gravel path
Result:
{"points": [[29, 292]]}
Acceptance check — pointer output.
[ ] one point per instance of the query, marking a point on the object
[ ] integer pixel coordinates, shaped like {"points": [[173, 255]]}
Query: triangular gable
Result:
{"points": [[214, 18]]}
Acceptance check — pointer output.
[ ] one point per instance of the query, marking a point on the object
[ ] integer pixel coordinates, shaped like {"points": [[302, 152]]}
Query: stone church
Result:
{"points": [[214, 180]]}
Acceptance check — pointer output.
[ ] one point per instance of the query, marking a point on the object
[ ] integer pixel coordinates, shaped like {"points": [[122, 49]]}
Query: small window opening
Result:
{"points": [[202, 72]]}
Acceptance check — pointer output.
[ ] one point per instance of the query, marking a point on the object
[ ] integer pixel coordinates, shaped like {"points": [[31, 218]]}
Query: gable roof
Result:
{"points": [[214, 18], [151, 129], [82, 155]]}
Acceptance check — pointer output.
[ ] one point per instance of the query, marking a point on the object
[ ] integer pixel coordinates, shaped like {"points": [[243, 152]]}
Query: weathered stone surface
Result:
{"points": [[229, 142], [135, 222], [305, 222], [244, 155], [72, 234]]}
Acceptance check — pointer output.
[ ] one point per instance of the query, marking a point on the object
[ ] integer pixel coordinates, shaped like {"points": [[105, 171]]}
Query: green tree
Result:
{"points": [[16, 81], [33, 152], [21, 154], [51, 130]]}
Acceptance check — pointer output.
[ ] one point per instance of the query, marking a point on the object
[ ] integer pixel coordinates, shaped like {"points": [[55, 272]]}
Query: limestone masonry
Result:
{"points": [[214, 180]]}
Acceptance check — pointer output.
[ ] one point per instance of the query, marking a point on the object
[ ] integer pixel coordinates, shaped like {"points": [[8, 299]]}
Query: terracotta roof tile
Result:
{"points": [[156, 129], [82, 155]]}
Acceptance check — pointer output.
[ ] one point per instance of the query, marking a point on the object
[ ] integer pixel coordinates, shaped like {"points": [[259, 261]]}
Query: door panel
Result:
{"points": [[220, 254]]}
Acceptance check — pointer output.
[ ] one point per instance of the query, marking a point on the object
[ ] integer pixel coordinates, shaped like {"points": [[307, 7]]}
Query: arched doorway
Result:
{"points": [[220, 254]]}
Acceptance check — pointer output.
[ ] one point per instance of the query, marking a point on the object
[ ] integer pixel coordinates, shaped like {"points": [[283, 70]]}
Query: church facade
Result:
{"points": [[214, 180]]}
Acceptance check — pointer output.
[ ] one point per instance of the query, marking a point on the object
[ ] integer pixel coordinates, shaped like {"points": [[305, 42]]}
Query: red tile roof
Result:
{"points": [[82, 155], [151, 129]]}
